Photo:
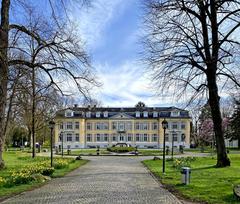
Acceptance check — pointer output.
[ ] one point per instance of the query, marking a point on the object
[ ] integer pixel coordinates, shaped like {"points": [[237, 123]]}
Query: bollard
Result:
{"points": [[186, 171], [167, 150], [97, 150]]}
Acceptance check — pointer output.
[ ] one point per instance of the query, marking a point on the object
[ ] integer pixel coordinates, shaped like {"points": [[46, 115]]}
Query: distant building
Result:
{"points": [[86, 127]]}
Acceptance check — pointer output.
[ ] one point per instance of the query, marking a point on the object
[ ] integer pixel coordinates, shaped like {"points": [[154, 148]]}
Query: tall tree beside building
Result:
{"points": [[57, 51], [189, 46]]}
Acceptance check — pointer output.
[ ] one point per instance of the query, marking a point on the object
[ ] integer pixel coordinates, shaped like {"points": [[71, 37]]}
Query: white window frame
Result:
{"points": [[145, 114], [155, 114], [69, 113], [138, 114], [175, 113], [98, 114], [88, 114], [105, 114], [77, 136]]}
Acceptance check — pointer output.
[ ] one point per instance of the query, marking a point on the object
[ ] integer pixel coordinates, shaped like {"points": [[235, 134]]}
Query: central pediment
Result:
{"points": [[121, 116]]}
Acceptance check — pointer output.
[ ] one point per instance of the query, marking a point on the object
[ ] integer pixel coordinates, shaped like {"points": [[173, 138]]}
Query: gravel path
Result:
{"points": [[104, 180]]}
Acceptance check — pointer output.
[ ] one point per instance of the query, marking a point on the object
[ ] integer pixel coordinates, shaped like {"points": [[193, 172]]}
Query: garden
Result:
{"points": [[207, 183], [23, 173]]}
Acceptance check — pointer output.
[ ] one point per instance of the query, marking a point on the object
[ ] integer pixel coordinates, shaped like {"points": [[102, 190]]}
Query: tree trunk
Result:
{"points": [[3, 71], [222, 158]]}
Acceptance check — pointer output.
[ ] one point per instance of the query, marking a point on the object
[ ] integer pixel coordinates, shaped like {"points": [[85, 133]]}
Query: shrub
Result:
{"points": [[60, 164], [20, 178], [47, 171], [121, 149], [2, 181], [184, 161]]}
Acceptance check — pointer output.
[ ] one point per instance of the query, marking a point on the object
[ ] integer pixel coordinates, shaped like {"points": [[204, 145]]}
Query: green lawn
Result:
{"points": [[18, 160], [208, 184]]}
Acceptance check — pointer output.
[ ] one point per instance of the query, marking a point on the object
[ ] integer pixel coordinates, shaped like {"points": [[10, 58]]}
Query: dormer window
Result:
{"points": [[88, 114], [69, 113], [105, 114], [155, 114], [175, 114], [98, 114], [145, 114], [137, 114]]}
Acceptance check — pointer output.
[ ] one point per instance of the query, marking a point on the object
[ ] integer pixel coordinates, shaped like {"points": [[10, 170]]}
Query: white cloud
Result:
{"points": [[92, 21], [125, 85]]}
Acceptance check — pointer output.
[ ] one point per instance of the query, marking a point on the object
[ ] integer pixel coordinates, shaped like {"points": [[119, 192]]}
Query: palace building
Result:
{"points": [[89, 127]]}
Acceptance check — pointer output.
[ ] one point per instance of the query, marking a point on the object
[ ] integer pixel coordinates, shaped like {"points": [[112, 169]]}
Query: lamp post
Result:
{"points": [[164, 126], [61, 137], [173, 133], [51, 126]]}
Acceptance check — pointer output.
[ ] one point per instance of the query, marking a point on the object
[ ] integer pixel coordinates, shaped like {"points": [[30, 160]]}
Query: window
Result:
{"points": [[137, 126], [137, 114], [105, 126], [114, 125], [76, 125], [121, 138], [105, 114], [98, 126], [174, 126], [89, 126], [121, 126], [61, 126], [175, 137], [88, 114], [129, 137], [154, 138], [145, 137], [129, 126], [167, 137], [144, 126], [98, 138], [68, 113], [69, 137], [137, 138], [114, 138], [183, 126], [89, 137], [155, 114], [77, 137], [145, 114], [175, 114], [105, 137], [154, 126], [98, 114], [69, 126]]}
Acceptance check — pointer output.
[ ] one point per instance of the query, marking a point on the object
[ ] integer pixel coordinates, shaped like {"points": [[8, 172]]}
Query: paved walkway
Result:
{"points": [[104, 180]]}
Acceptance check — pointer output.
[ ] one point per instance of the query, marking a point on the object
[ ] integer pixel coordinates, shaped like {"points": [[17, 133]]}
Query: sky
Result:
{"points": [[112, 31]]}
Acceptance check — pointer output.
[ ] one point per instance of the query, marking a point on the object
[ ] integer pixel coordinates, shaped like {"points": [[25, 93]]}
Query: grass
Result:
{"points": [[208, 184], [17, 160]]}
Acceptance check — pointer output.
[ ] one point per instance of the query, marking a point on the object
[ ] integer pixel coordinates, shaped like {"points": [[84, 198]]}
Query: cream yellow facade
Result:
{"points": [[105, 128]]}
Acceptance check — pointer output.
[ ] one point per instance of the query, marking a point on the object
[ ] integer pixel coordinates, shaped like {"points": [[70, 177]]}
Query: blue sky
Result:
{"points": [[112, 31]]}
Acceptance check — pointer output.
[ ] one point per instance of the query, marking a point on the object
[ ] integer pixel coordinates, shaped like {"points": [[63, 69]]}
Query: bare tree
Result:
{"points": [[190, 44], [55, 51]]}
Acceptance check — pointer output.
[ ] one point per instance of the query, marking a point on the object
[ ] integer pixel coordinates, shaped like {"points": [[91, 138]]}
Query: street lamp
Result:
{"points": [[173, 134], [61, 137], [164, 126], [51, 126]]}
